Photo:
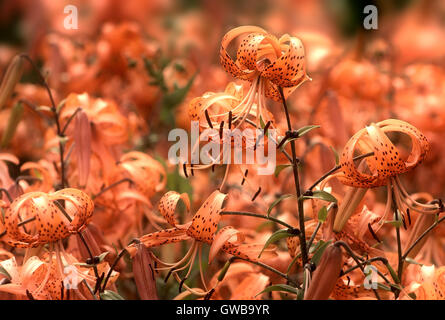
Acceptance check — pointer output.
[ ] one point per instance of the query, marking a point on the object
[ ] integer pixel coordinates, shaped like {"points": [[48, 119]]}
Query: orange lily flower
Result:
{"points": [[200, 230], [148, 174], [383, 167], [47, 222], [263, 58], [431, 284]]}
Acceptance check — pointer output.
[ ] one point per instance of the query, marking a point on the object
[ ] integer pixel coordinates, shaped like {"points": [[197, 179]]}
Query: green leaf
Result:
{"points": [[302, 131], [173, 99], [4, 272], [321, 247], [412, 261], [322, 214], [280, 287], [393, 273], [277, 235], [102, 256], [395, 223], [262, 124], [287, 141], [277, 201], [322, 195], [110, 295], [280, 168], [224, 270], [293, 262], [383, 287], [337, 158]]}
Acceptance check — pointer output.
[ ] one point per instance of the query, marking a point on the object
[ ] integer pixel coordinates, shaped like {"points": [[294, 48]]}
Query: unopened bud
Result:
{"points": [[11, 78], [82, 139], [326, 275], [348, 206], [144, 273], [93, 238]]}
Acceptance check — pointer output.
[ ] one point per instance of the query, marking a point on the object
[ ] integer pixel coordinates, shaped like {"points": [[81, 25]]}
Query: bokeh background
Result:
{"points": [[152, 57]]}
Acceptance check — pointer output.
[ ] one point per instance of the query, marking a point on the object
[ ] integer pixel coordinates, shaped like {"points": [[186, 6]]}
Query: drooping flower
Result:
{"points": [[384, 163], [200, 230], [430, 284], [147, 174], [46, 220], [263, 58], [269, 64]]}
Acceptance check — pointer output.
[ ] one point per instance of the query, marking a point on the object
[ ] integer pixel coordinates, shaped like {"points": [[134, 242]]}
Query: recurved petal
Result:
{"points": [[224, 235], [161, 237], [205, 221], [168, 204]]}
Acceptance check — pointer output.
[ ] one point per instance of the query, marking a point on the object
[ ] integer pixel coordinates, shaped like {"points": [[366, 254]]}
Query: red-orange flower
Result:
{"points": [[277, 62], [46, 220]]}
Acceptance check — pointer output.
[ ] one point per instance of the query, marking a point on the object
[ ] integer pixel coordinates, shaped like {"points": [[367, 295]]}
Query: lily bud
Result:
{"points": [[90, 235], [423, 222], [347, 207], [143, 271], [82, 139], [326, 275], [11, 78]]}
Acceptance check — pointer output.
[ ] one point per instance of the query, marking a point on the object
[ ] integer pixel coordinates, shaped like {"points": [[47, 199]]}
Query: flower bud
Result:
{"points": [[143, 271], [347, 207], [82, 140], [11, 78], [93, 239], [326, 275]]}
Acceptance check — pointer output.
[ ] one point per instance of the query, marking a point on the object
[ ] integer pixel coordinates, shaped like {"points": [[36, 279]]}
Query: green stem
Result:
{"points": [[295, 161]]}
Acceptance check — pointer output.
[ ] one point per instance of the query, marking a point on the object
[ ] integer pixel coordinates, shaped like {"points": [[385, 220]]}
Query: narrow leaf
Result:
{"points": [[280, 287], [280, 168], [280, 234], [277, 201], [319, 251], [322, 214], [302, 131], [322, 195]]}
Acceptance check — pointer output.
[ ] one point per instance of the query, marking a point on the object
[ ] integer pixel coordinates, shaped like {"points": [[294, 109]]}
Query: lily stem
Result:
{"points": [[295, 161]]}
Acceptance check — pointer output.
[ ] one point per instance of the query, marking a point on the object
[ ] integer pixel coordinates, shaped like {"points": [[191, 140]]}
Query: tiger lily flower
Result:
{"points": [[47, 277], [146, 173], [268, 64], [383, 167], [430, 285], [200, 230], [46, 222], [265, 60], [147, 177]]}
